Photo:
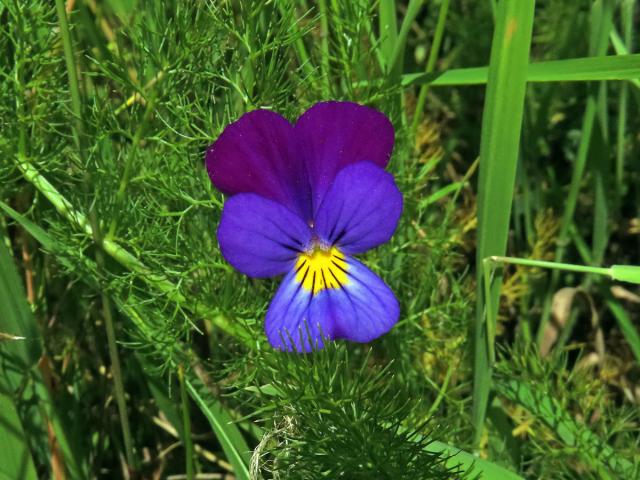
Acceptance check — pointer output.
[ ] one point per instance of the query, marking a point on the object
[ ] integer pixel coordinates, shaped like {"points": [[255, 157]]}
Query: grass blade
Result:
{"points": [[600, 159], [499, 148], [599, 47], [626, 326], [324, 42], [614, 67], [602, 22], [395, 63], [227, 433], [15, 457], [18, 363], [488, 470], [627, 16], [16, 319], [186, 425], [431, 62], [397, 56], [388, 29]]}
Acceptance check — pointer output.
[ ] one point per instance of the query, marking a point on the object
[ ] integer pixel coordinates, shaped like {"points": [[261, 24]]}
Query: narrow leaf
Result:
{"points": [[227, 433], [620, 67], [499, 148]]}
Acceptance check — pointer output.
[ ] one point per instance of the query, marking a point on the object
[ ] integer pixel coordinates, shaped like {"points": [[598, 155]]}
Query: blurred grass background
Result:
{"points": [[130, 349]]}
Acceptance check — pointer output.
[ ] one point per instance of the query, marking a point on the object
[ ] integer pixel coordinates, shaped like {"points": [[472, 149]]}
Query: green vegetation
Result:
{"points": [[130, 349]]}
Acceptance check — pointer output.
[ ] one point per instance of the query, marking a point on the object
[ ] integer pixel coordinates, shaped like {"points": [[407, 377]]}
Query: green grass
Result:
{"points": [[109, 255], [16, 459], [499, 149], [621, 67]]}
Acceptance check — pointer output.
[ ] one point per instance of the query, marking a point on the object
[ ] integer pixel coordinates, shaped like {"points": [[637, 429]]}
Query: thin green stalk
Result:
{"points": [[431, 63], [601, 169], [79, 140], [621, 273], [116, 371], [599, 47], [122, 255], [567, 267], [613, 67], [626, 8], [126, 174], [186, 422], [301, 50], [499, 151], [622, 51], [484, 469], [226, 431], [626, 326], [324, 47], [603, 14], [442, 392], [494, 9], [620, 138], [626, 273], [576, 176], [396, 62], [489, 315], [394, 67], [74, 88]]}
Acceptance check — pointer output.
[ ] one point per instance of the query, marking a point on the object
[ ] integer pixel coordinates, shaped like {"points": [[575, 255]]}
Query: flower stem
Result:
{"points": [[78, 132]]}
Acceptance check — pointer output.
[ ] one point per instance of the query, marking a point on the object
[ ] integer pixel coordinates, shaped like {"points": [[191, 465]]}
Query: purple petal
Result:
{"points": [[360, 309], [256, 154], [332, 135], [360, 210], [261, 237]]}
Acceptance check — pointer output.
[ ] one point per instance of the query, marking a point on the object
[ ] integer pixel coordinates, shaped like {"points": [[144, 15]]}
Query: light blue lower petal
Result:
{"points": [[361, 310]]}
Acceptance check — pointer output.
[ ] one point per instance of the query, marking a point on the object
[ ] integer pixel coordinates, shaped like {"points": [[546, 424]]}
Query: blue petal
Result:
{"points": [[260, 237], [361, 309], [360, 210]]}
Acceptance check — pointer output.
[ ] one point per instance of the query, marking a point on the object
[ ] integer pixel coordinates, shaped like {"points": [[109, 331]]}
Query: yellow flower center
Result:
{"points": [[319, 269]]}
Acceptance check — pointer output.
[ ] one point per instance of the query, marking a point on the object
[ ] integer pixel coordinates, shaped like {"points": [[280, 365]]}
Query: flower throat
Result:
{"points": [[319, 269]]}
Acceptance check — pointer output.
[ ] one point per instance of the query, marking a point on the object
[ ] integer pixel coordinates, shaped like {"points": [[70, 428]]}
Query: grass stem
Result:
{"points": [[431, 63], [78, 131], [186, 422], [324, 44], [567, 267]]}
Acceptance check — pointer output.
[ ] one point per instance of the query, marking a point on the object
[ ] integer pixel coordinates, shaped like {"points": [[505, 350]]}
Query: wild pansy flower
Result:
{"points": [[304, 199]]}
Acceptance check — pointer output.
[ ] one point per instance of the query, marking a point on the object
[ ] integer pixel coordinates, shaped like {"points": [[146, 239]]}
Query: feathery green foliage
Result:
{"points": [[106, 211]]}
